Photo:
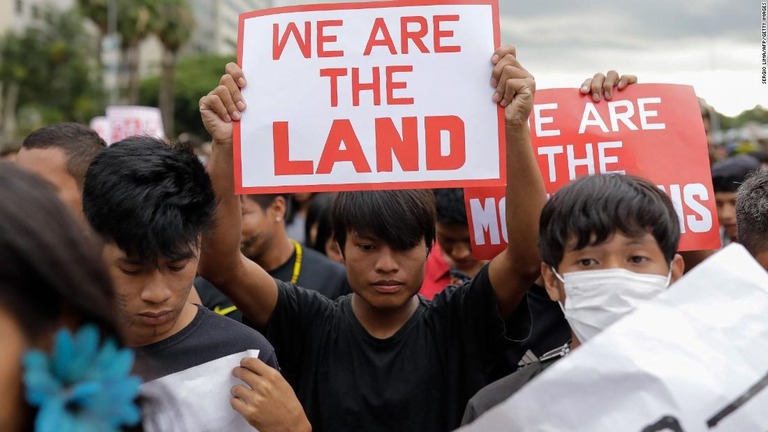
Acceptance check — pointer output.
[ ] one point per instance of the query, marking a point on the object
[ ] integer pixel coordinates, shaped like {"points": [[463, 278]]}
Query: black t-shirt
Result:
{"points": [[420, 379], [208, 337], [549, 330], [316, 272]]}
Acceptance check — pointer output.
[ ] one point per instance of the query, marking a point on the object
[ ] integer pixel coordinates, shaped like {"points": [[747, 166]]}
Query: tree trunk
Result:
{"points": [[122, 75], [167, 94], [133, 74], [8, 110]]}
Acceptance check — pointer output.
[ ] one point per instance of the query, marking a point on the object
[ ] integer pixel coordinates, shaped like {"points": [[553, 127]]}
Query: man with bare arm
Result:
{"points": [[382, 358]]}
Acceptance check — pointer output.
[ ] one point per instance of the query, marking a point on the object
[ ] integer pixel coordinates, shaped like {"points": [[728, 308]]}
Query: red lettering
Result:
{"points": [[322, 38], [334, 74], [374, 86], [415, 35], [456, 157], [305, 43], [342, 132], [393, 85], [404, 147], [283, 164], [438, 34], [380, 26]]}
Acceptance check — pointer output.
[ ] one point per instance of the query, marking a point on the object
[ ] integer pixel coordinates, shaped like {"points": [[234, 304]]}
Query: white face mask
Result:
{"points": [[595, 299]]}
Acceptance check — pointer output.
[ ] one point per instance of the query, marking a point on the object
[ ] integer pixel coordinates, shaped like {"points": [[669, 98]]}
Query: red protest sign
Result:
{"points": [[649, 130], [373, 95]]}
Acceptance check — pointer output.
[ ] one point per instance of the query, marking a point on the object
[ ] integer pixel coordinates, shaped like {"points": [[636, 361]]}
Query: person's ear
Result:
{"points": [[552, 284], [278, 207], [333, 251], [678, 268]]}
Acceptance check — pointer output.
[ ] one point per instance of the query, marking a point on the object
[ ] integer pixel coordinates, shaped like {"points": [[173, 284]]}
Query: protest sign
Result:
{"points": [[125, 121], [100, 124], [649, 130], [376, 95], [195, 399], [692, 359]]}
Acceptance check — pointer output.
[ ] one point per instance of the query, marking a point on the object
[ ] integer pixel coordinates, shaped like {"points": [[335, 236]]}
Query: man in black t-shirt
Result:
{"points": [[150, 204], [382, 358], [264, 241], [548, 326]]}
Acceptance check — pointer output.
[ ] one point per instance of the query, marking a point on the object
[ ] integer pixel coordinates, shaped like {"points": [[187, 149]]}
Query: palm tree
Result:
{"points": [[133, 24], [98, 12], [174, 28]]}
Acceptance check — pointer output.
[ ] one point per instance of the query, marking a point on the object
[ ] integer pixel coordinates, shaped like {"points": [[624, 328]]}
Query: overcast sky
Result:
{"points": [[713, 45]]}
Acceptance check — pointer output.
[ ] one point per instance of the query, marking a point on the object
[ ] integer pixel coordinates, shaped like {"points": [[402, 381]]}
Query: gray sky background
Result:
{"points": [[714, 45]]}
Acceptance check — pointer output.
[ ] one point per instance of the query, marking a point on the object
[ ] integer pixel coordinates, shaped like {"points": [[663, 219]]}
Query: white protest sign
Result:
{"points": [[693, 359], [100, 124], [195, 399], [125, 121], [378, 95]]}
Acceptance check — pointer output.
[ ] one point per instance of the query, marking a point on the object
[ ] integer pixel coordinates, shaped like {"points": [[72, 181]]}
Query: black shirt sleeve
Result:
{"points": [[297, 313], [473, 312]]}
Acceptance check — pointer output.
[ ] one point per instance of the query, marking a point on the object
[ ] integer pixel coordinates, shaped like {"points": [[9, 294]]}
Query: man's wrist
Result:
{"points": [[517, 129], [217, 143]]}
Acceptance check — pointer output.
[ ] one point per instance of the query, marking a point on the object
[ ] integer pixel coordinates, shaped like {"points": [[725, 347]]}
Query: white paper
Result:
{"points": [[676, 364], [291, 89], [195, 399], [126, 121]]}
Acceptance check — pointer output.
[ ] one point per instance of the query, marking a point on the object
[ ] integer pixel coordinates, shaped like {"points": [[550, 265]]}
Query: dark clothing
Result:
{"points": [[419, 379], [500, 390], [316, 272], [549, 330], [208, 337]]}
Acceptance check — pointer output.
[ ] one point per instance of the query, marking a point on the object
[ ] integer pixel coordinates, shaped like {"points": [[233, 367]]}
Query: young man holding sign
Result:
{"points": [[382, 358]]}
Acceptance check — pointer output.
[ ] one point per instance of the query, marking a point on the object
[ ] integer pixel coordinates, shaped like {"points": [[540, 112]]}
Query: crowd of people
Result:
{"points": [[123, 266]]}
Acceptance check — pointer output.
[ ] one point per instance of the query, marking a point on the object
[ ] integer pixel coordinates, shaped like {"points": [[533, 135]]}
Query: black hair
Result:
{"points": [[591, 209], [80, 143], [760, 155], [148, 198], [49, 267], [319, 214], [265, 200], [450, 206], [728, 174], [399, 218], [752, 212]]}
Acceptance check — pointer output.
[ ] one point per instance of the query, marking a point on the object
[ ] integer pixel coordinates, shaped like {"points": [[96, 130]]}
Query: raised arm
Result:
{"points": [[251, 288], [514, 270]]}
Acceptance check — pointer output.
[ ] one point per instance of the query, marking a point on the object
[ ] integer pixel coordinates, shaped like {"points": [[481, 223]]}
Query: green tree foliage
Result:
{"points": [[52, 65], [195, 77], [174, 28], [757, 114], [134, 24]]}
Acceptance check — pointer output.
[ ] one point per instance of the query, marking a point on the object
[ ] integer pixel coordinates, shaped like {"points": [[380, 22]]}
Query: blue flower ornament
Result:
{"points": [[81, 386]]}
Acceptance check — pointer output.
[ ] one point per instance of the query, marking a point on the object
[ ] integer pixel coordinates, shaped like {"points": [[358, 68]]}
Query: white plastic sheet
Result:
{"points": [[195, 399], [693, 359]]}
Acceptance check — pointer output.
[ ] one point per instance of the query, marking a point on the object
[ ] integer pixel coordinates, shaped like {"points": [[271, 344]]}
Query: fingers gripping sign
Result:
{"points": [[267, 401], [224, 104], [602, 86], [515, 86]]}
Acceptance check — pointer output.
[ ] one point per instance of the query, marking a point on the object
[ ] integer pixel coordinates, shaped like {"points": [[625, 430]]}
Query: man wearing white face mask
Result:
{"points": [[608, 244]]}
